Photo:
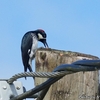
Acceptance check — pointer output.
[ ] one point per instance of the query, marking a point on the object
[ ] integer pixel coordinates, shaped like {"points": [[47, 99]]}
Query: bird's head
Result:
{"points": [[41, 35]]}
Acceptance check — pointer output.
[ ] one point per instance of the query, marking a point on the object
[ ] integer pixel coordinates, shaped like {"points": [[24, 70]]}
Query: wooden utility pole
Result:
{"points": [[77, 86]]}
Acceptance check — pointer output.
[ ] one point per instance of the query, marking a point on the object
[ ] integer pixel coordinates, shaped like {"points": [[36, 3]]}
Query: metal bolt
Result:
{"points": [[4, 87], [18, 87]]}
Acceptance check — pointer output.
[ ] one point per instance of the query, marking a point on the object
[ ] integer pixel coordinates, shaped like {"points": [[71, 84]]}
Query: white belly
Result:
{"points": [[33, 49]]}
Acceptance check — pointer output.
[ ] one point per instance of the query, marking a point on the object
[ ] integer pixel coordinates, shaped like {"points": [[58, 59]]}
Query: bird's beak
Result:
{"points": [[45, 43]]}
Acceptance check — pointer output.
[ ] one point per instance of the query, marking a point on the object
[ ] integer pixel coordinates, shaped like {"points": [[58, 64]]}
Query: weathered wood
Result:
{"points": [[77, 86]]}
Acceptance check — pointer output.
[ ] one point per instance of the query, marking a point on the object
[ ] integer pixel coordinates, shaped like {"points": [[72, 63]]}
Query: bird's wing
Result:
{"points": [[26, 45]]}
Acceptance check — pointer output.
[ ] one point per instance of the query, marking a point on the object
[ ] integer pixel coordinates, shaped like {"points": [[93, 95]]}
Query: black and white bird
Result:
{"points": [[29, 45]]}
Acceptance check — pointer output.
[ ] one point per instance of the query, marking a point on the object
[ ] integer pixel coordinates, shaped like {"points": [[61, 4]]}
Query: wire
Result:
{"points": [[35, 74], [87, 64], [61, 71]]}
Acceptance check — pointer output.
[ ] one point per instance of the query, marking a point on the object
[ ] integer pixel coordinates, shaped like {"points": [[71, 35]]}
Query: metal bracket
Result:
{"points": [[8, 91]]}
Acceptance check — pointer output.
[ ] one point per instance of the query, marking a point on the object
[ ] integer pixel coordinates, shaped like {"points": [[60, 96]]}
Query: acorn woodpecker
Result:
{"points": [[29, 45]]}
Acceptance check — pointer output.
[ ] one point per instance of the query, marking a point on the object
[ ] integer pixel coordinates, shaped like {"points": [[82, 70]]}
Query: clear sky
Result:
{"points": [[70, 25]]}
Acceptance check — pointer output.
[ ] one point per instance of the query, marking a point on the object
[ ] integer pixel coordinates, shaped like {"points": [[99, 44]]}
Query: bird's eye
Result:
{"points": [[45, 36]]}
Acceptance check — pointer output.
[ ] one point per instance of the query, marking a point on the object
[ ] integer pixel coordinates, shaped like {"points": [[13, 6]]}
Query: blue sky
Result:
{"points": [[70, 25]]}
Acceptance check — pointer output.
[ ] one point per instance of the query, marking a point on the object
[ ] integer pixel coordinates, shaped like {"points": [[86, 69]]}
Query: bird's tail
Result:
{"points": [[30, 69], [25, 70]]}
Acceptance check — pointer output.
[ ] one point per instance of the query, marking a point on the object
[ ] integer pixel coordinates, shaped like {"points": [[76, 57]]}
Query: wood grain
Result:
{"points": [[77, 86]]}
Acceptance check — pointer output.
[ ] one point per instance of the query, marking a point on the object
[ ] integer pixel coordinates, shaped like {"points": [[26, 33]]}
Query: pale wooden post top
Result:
{"points": [[71, 87]]}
